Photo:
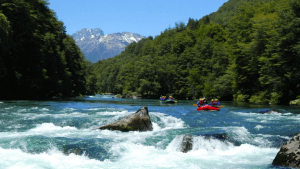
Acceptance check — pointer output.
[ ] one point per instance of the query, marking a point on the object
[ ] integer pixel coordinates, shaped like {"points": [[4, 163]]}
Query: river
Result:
{"points": [[63, 134]]}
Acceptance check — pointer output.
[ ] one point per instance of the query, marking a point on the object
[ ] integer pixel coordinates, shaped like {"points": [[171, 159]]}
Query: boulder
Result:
{"points": [[187, 143], [139, 121], [289, 153]]}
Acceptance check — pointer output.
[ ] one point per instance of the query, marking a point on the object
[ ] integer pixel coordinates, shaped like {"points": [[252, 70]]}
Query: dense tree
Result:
{"points": [[247, 51], [38, 59]]}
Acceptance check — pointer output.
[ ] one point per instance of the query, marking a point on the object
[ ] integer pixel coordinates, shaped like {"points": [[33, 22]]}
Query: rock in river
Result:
{"points": [[289, 153], [139, 121], [270, 112], [187, 143]]}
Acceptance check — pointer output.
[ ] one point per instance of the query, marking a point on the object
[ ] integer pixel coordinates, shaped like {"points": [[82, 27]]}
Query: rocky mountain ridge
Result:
{"points": [[96, 45]]}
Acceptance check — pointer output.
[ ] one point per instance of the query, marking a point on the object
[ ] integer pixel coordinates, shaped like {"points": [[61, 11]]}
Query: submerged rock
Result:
{"points": [[269, 112], [187, 143], [289, 153], [76, 151], [139, 121], [224, 138]]}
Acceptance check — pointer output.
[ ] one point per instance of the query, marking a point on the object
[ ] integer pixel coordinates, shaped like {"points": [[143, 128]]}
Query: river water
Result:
{"points": [[63, 134]]}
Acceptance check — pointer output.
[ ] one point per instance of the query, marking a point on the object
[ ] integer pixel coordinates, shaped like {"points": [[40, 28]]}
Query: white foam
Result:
{"points": [[68, 109], [94, 109], [239, 133], [209, 153], [45, 129], [242, 135], [32, 116], [22, 110], [156, 127], [114, 113], [135, 155], [106, 109], [170, 122], [275, 113], [258, 127], [53, 159], [267, 135], [200, 143], [269, 118], [132, 149], [128, 149], [44, 109]]}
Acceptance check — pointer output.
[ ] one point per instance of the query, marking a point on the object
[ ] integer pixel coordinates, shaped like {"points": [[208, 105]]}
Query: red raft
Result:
{"points": [[208, 108]]}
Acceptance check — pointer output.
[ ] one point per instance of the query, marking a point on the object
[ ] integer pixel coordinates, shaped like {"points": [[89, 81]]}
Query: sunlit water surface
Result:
{"points": [[63, 134]]}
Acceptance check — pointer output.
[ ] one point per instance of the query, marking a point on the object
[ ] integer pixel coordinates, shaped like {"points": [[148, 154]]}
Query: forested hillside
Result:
{"points": [[37, 58], [249, 50]]}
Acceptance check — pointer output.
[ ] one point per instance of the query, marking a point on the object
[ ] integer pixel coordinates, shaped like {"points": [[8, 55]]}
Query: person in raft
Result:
{"points": [[162, 98], [217, 103], [214, 103], [201, 102], [171, 98]]}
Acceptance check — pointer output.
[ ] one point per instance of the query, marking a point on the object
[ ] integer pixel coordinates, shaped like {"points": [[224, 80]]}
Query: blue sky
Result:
{"points": [[145, 17]]}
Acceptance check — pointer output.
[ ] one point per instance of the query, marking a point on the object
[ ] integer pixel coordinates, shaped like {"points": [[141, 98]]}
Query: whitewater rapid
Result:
{"points": [[64, 135]]}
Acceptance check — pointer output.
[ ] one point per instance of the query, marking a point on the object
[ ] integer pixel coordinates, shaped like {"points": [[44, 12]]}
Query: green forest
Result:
{"points": [[38, 60], [248, 50]]}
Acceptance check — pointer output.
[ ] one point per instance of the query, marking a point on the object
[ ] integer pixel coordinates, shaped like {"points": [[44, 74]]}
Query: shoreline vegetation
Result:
{"points": [[295, 102], [38, 60], [247, 51]]}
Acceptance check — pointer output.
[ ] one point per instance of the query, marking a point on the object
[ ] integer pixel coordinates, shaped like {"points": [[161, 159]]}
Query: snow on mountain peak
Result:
{"points": [[130, 37], [87, 33], [96, 46]]}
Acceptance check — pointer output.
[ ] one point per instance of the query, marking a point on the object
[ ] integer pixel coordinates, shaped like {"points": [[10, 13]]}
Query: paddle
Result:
{"points": [[197, 105]]}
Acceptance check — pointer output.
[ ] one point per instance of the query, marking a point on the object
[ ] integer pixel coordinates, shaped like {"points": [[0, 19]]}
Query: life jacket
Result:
{"points": [[213, 103], [201, 102], [217, 103]]}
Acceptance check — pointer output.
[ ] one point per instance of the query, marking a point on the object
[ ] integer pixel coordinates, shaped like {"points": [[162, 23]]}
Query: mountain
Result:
{"points": [[96, 46]]}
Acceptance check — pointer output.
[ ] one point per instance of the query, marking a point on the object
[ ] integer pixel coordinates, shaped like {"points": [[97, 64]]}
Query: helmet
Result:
{"points": [[216, 99], [212, 99]]}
